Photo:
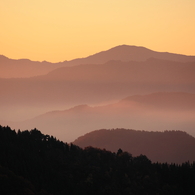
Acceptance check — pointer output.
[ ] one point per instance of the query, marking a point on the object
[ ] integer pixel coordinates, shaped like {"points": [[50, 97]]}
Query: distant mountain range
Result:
{"points": [[167, 146], [93, 85], [156, 112], [23, 68], [126, 86]]}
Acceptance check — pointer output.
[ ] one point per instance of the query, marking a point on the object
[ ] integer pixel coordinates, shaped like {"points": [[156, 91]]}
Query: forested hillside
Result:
{"points": [[34, 163], [166, 146]]}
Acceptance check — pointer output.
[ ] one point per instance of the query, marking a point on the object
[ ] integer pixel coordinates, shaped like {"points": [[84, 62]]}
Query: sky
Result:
{"points": [[59, 30]]}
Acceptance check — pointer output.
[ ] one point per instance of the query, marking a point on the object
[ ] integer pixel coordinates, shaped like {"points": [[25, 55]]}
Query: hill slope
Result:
{"points": [[157, 111], [23, 68], [32, 162], [168, 146], [93, 84], [134, 53]]}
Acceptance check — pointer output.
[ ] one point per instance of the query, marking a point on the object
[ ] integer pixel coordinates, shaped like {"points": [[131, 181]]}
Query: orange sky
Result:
{"points": [[58, 30]]}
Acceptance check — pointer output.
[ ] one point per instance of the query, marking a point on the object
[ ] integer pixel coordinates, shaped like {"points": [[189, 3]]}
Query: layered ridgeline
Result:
{"points": [[153, 112], [84, 94], [34, 163], [23, 98], [167, 146], [23, 68]]}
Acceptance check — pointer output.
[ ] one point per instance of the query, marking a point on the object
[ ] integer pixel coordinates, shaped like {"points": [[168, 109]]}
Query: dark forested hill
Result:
{"points": [[167, 146], [34, 163]]}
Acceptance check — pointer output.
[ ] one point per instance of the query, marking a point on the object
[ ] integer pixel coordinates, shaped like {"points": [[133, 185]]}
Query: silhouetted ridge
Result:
{"points": [[33, 163], [151, 112], [2, 58], [123, 53], [165, 100], [167, 146], [137, 53]]}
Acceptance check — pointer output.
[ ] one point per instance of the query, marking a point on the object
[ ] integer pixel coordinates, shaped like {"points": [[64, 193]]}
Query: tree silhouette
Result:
{"points": [[34, 163]]}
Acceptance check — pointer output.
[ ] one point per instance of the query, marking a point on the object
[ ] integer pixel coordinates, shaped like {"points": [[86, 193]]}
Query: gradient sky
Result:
{"points": [[58, 30]]}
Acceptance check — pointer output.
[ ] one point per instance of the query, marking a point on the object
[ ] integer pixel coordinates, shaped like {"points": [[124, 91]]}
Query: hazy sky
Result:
{"points": [[58, 30]]}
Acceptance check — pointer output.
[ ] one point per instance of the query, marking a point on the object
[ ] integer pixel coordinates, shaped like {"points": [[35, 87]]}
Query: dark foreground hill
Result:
{"points": [[167, 146], [34, 163]]}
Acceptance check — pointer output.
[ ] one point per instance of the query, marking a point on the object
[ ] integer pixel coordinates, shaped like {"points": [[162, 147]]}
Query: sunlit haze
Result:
{"points": [[66, 29]]}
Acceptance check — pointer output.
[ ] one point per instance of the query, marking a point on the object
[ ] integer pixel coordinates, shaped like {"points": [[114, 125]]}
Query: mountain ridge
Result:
{"points": [[137, 98], [137, 113], [121, 52], [35, 163], [93, 84], [168, 146]]}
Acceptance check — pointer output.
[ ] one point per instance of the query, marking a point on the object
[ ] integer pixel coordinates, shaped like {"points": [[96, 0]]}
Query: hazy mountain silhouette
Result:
{"points": [[26, 68], [22, 68], [96, 80], [133, 53], [164, 101], [92, 84], [151, 70], [156, 112], [167, 146]]}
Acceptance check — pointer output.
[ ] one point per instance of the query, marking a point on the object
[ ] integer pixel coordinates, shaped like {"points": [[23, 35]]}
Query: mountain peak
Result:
{"points": [[124, 46], [133, 53]]}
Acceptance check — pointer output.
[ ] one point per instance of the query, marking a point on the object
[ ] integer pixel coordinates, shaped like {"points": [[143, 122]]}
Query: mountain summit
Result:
{"points": [[131, 53], [26, 68]]}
